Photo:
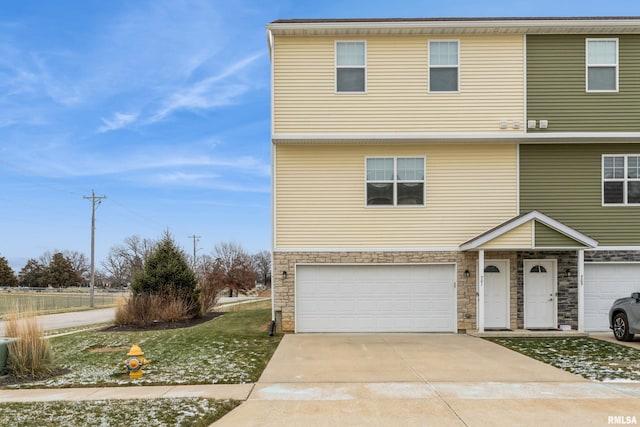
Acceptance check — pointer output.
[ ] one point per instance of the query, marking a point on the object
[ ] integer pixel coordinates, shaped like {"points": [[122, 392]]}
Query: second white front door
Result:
{"points": [[496, 294], [540, 294]]}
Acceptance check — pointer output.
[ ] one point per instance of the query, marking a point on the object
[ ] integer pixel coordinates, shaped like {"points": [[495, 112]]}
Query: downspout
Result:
{"points": [[273, 202]]}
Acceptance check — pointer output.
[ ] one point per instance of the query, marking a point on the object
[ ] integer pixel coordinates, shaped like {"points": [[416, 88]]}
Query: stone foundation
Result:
{"points": [[567, 278]]}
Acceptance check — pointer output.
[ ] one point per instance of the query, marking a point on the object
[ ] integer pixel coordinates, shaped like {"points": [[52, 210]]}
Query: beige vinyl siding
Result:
{"points": [[320, 196], [397, 98], [519, 237]]}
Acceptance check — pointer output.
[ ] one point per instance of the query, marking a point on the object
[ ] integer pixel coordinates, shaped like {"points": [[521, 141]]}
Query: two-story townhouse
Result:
{"points": [[404, 157]]}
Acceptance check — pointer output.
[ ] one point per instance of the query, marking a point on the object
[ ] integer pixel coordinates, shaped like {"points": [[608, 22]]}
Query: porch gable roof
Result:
{"points": [[520, 233]]}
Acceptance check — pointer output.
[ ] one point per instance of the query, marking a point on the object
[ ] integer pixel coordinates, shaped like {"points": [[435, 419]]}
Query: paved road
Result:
{"points": [[72, 319], [103, 315]]}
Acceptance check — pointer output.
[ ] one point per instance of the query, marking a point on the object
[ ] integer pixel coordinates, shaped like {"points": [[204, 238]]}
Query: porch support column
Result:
{"points": [[581, 290], [480, 308]]}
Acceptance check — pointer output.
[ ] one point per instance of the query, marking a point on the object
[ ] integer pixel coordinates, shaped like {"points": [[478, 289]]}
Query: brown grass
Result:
{"points": [[145, 309], [30, 355]]}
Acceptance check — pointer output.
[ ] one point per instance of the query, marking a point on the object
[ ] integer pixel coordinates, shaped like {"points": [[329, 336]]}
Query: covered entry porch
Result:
{"points": [[545, 287]]}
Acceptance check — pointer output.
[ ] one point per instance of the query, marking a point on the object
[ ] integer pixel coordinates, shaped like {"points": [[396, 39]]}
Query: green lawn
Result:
{"points": [[156, 412], [232, 348], [591, 358], [54, 302]]}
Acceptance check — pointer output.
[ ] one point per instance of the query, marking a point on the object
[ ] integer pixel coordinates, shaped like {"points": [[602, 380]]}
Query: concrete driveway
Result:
{"points": [[418, 380]]}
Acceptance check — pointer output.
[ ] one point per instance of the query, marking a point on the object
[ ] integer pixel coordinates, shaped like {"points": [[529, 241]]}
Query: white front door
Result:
{"points": [[540, 294], [496, 294]]}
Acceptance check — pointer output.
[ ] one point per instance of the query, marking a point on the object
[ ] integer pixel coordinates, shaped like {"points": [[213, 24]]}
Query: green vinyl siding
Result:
{"points": [[556, 89], [547, 237], [564, 181]]}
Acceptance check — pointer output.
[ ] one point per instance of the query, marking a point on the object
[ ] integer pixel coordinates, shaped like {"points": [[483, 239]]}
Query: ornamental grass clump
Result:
{"points": [[29, 355]]}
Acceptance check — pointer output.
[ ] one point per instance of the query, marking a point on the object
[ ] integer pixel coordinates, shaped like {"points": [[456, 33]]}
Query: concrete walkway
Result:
{"points": [[422, 379], [214, 391]]}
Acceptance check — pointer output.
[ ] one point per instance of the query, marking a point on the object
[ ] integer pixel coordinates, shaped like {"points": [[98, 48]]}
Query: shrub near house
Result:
{"points": [[164, 291]]}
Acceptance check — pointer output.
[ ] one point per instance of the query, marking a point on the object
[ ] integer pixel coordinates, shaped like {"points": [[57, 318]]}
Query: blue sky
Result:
{"points": [[162, 106]]}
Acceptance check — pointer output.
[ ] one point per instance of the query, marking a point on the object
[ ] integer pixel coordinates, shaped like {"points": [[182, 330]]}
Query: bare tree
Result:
{"points": [[79, 262], [125, 261], [234, 268], [117, 268], [262, 267]]}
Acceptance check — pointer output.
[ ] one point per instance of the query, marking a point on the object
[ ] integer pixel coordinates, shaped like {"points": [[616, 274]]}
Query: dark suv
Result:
{"points": [[624, 317]]}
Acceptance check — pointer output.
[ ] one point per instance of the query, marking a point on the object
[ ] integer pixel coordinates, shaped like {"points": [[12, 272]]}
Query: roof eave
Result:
{"points": [[453, 25]]}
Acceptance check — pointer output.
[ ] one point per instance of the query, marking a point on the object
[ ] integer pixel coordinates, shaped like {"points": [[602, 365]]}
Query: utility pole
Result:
{"points": [[195, 241], [95, 200]]}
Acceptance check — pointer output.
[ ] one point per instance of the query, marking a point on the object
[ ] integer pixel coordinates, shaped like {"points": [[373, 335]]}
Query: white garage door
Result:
{"points": [[603, 284], [375, 298]]}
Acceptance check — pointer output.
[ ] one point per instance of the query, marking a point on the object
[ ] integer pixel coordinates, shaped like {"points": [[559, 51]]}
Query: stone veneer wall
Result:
{"points": [[466, 287], [567, 285], [611, 256], [286, 261]]}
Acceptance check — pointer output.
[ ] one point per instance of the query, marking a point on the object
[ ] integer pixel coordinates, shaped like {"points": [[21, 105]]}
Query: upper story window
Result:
{"points": [[351, 62], [621, 179], [602, 65], [443, 66], [395, 181]]}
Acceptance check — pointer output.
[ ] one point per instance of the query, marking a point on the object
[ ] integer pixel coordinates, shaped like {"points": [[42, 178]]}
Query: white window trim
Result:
{"points": [[429, 66], [625, 181], [335, 68], [587, 66], [395, 182]]}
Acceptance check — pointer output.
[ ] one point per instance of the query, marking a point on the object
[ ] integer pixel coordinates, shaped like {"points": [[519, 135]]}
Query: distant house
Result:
{"points": [[438, 175]]}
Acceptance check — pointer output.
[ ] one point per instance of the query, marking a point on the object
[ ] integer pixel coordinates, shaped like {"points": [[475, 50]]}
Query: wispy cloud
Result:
{"points": [[118, 121], [214, 91]]}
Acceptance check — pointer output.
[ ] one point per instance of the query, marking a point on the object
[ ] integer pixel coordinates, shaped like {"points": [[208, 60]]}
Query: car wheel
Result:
{"points": [[621, 327]]}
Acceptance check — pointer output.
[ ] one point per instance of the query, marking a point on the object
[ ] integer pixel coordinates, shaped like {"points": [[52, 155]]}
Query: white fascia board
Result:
{"points": [[531, 216], [497, 232], [511, 137], [502, 26]]}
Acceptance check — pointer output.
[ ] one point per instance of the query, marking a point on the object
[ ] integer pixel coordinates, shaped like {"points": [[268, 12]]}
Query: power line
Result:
{"points": [[95, 200]]}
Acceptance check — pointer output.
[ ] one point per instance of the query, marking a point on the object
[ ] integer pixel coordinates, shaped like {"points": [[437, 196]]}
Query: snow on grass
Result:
{"points": [[233, 348], [591, 358], [156, 412]]}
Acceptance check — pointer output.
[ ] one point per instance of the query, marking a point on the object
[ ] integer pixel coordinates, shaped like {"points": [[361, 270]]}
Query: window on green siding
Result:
{"points": [[621, 179], [443, 66], [602, 65], [395, 181], [351, 66]]}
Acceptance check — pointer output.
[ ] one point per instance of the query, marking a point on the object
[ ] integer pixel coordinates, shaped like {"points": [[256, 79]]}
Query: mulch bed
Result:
{"points": [[161, 326]]}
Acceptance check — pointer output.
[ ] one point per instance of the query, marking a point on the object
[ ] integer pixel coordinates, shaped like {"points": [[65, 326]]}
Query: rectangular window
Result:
{"points": [[351, 61], [602, 65], [621, 179], [443, 66], [395, 181]]}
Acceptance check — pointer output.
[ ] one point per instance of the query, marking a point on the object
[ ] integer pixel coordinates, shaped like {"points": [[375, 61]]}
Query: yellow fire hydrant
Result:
{"points": [[135, 362]]}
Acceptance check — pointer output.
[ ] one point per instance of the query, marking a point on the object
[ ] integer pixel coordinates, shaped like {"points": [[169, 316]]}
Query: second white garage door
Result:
{"points": [[603, 284], [376, 298]]}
